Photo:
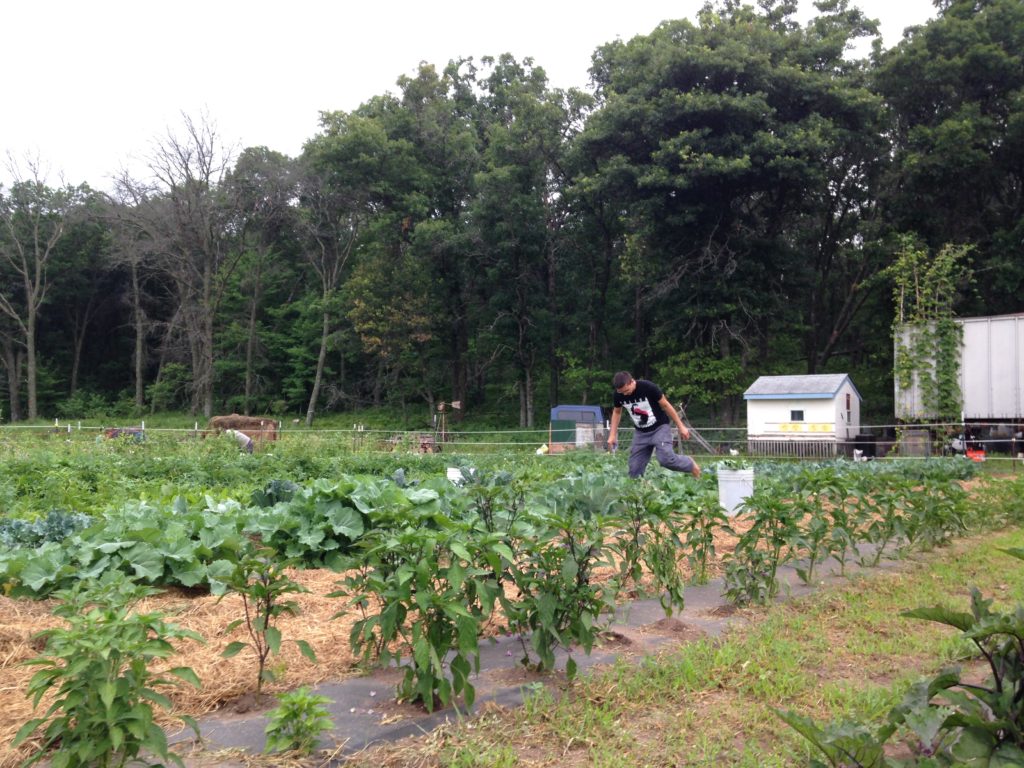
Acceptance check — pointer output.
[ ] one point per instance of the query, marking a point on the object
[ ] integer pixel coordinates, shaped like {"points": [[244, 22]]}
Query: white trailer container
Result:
{"points": [[991, 372]]}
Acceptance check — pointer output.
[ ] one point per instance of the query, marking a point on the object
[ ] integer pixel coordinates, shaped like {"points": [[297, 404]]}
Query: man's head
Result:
{"points": [[623, 383]]}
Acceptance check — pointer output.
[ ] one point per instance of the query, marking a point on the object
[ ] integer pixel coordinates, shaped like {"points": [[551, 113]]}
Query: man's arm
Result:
{"points": [[666, 406], [613, 428]]}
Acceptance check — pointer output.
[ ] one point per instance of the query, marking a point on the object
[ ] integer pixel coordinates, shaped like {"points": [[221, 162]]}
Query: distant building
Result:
{"points": [[812, 415], [576, 426]]}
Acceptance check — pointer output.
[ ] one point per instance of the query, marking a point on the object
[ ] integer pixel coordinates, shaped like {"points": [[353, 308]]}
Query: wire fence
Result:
{"points": [[995, 440]]}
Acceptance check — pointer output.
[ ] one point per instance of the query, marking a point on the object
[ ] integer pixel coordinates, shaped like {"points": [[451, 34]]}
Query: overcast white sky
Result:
{"points": [[89, 85]]}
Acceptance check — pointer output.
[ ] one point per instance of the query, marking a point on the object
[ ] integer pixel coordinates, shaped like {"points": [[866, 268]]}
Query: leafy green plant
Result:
{"points": [[98, 668], [843, 532], [645, 540], [274, 492], [954, 719], [318, 524], [702, 515], [880, 514], [844, 745], [813, 536], [296, 723], [56, 526], [422, 570], [260, 579], [558, 605], [751, 571], [974, 721], [495, 498], [936, 511], [750, 578]]}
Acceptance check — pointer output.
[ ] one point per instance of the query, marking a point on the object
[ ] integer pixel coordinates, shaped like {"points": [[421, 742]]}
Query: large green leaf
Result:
{"points": [[345, 521], [959, 619], [219, 572], [45, 569], [188, 574], [146, 561]]}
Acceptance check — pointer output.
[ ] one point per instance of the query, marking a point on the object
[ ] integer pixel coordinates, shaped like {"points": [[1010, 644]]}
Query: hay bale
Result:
{"points": [[262, 429]]}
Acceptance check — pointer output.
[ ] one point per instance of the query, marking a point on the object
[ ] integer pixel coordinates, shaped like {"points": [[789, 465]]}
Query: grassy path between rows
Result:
{"points": [[842, 653]]}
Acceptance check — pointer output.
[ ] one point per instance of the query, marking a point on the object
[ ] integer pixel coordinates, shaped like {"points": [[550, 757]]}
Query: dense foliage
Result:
{"points": [[726, 201]]}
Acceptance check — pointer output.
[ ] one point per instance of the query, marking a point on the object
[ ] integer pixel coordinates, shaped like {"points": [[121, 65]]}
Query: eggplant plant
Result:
{"points": [[261, 580], [954, 720]]}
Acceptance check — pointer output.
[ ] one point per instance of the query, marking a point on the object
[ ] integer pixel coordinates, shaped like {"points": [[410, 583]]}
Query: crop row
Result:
{"points": [[427, 565]]}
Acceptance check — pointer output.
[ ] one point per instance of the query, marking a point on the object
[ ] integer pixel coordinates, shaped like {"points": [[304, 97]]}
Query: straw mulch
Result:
{"points": [[227, 684], [224, 680]]}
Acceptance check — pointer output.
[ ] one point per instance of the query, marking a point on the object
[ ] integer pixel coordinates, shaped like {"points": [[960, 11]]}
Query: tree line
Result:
{"points": [[728, 198]]}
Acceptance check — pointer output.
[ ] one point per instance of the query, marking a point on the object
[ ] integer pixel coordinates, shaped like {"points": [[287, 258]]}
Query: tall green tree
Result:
{"points": [[34, 218], [134, 252], [741, 150], [520, 218], [83, 253], [439, 118], [349, 175], [392, 312], [955, 87], [260, 192]]}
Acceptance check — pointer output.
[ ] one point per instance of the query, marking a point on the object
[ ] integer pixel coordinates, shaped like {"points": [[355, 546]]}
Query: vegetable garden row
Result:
{"points": [[543, 549]]}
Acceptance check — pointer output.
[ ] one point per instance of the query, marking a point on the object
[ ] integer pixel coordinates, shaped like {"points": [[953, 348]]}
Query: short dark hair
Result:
{"points": [[621, 379]]}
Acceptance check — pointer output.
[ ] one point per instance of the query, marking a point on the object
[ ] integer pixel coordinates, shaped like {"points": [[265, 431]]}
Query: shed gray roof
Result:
{"points": [[822, 385]]}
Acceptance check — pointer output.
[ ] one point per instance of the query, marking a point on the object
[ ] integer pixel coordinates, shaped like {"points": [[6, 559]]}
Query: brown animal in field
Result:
{"points": [[261, 429]]}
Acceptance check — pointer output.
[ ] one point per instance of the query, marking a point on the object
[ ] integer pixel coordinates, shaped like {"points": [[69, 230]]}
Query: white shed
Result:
{"points": [[812, 415]]}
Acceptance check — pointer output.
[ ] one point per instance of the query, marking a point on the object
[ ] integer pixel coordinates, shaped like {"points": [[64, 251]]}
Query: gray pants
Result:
{"points": [[658, 442]]}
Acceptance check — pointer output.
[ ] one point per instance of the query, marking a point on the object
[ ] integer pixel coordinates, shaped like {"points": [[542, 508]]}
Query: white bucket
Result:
{"points": [[734, 487]]}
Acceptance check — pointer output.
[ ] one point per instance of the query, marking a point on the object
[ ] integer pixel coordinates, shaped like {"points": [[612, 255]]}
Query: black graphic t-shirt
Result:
{"points": [[642, 406]]}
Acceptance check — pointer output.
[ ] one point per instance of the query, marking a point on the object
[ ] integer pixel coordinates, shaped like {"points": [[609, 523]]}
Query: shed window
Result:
{"points": [[796, 415]]}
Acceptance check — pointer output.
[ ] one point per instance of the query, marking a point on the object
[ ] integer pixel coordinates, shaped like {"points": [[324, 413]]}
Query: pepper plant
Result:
{"points": [[751, 572], [297, 722], [702, 516], [97, 667], [879, 515], [843, 530], [558, 605], [644, 538], [813, 538], [418, 585]]}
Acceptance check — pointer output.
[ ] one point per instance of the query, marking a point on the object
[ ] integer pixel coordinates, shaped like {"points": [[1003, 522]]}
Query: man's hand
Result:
{"points": [[684, 432], [613, 442]]}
